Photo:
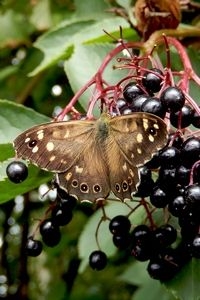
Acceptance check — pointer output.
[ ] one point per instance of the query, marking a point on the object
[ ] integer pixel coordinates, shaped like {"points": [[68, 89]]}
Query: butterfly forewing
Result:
{"points": [[54, 146], [139, 136]]}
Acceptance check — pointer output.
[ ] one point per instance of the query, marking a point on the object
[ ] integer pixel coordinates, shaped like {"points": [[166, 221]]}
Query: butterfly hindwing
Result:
{"points": [[87, 179]]}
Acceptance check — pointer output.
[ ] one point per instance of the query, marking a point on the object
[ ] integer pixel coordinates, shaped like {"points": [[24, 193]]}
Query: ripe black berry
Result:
{"points": [[195, 249], [177, 205], [17, 171], [182, 118], [141, 233], [61, 216], [190, 151], [175, 140], [122, 241], [151, 81], [164, 236], [121, 104], [157, 269], [146, 185], [162, 269], [189, 218], [167, 177], [136, 105], [196, 120], [183, 175], [141, 242], [169, 156], [119, 225], [131, 91], [192, 195], [141, 252], [50, 233], [159, 197], [153, 106], [172, 99], [33, 247], [67, 201], [196, 173], [98, 260]]}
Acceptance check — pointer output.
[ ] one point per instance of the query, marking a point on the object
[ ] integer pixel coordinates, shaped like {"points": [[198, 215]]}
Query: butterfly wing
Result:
{"points": [[134, 139], [54, 146]]}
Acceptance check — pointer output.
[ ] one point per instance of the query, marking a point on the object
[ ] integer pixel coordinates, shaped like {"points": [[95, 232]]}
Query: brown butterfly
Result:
{"points": [[93, 158]]}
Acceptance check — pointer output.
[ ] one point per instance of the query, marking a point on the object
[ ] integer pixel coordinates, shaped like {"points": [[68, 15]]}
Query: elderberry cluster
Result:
{"points": [[143, 97], [153, 245]]}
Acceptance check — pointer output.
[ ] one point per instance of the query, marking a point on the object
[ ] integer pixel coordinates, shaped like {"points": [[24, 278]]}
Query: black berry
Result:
{"points": [[61, 216], [131, 91], [182, 118], [153, 106], [50, 233], [172, 99], [17, 171], [190, 151], [98, 260], [151, 81], [119, 225], [33, 247]]}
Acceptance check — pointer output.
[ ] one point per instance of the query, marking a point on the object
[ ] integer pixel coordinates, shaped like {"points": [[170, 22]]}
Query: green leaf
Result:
{"points": [[56, 43], [13, 31], [15, 118], [124, 3], [152, 290], [90, 8], [185, 286]]}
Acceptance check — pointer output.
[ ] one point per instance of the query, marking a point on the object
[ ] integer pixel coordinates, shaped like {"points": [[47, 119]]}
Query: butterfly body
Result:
{"points": [[92, 158]]}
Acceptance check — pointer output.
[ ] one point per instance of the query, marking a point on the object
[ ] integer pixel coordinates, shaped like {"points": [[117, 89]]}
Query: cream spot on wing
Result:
{"points": [[139, 150], [50, 146], [63, 161], [66, 134], [131, 172], [68, 176], [145, 124], [139, 138], [151, 138], [78, 169], [124, 167], [27, 140], [132, 155], [155, 125], [35, 149], [52, 158], [40, 134]]}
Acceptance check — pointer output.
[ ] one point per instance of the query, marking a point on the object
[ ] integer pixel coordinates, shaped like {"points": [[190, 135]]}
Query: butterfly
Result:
{"points": [[92, 158]]}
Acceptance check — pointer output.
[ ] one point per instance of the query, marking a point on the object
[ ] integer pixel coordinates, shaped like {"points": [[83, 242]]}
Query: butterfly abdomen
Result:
{"points": [[102, 128]]}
